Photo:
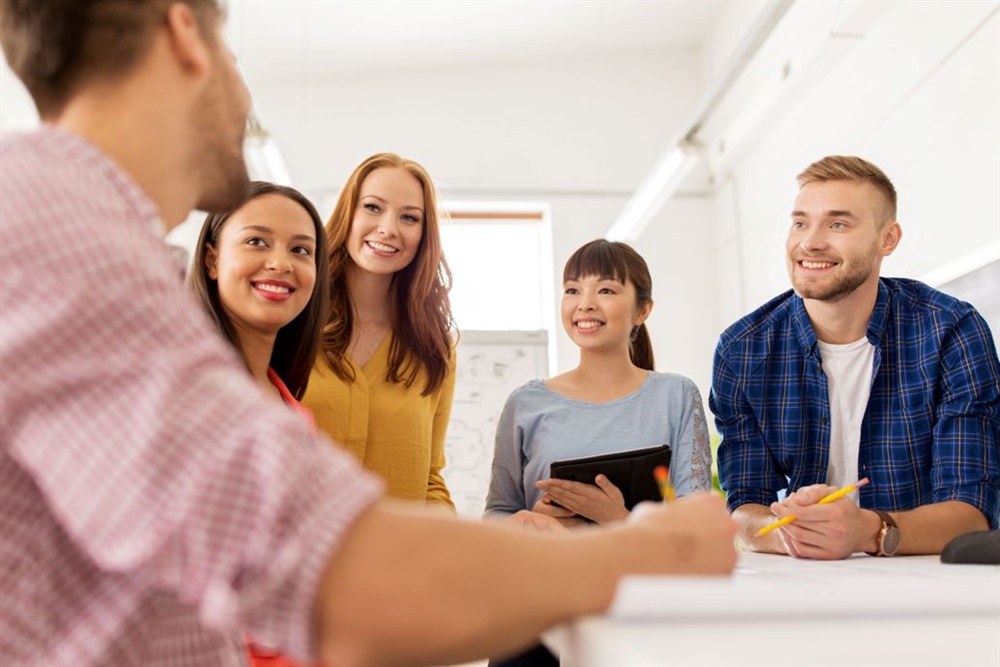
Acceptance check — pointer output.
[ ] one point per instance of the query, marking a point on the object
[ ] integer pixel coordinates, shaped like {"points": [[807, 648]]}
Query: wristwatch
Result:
{"points": [[888, 536]]}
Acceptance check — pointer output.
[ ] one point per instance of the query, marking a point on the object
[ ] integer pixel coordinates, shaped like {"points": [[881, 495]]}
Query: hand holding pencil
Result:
{"points": [[836, 495]]}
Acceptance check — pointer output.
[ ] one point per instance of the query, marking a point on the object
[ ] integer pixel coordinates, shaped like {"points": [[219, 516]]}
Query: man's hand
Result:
{"points": [[602, 502], [695, 535], [825, 532]]}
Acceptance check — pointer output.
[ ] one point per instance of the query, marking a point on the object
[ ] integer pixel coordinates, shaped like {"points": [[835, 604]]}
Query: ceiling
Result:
{"points": [[282, 39]]}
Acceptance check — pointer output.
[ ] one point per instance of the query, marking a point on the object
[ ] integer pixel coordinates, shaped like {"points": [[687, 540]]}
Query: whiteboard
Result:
{"points": [[490, 365]]}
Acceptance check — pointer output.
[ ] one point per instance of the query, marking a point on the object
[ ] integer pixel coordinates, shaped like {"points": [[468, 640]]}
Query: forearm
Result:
{"points": [[407, 588], [750, 518], [927, 529]]}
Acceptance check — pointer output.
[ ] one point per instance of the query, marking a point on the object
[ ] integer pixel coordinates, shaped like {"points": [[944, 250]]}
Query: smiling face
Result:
{"points": [[265, 264], [388, 222], [600, 313], [836, 242]]}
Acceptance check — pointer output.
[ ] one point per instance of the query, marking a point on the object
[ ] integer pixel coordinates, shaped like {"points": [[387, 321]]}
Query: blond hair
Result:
{"points": [[851, 168]]}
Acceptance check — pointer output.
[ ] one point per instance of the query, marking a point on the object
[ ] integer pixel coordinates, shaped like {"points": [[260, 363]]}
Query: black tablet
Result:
{"points": [[630, 471]]}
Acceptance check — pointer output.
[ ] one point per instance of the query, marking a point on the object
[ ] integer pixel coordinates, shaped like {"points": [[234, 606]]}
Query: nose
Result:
{"points": [[388, 226], [813, 239], [585, 302], [278, 262]]}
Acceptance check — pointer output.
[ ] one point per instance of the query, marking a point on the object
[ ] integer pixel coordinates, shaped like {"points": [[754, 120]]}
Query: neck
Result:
{"points": [[256, 349], [845, 320], [610, 369], [135, 128], [370, 295]]}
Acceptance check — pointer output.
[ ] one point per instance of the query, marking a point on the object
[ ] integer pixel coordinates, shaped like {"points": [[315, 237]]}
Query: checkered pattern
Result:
{"points": [[154, 502], [931, 432]]}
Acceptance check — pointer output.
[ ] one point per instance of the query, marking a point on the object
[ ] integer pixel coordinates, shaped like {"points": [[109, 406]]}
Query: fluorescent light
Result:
{"points": [[263, 159], [654, 191]]}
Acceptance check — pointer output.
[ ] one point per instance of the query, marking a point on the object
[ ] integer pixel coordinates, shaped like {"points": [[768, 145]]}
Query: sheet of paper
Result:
{"points": [[767, 586]]}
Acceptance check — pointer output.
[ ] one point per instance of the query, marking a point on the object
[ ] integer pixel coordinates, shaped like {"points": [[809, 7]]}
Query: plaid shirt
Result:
{"points": [[154, 502], [931, 431]]}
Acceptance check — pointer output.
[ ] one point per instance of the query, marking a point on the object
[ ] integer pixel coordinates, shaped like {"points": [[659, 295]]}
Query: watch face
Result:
{"points": [[890, 541]]}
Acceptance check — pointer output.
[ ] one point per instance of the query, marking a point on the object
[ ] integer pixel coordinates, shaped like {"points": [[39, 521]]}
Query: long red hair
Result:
{"points": [[422, 324]]}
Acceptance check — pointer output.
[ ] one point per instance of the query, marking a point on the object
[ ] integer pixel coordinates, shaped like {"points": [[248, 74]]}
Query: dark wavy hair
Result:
{"points": [[297, 343], [618, 261], [422, 327]]}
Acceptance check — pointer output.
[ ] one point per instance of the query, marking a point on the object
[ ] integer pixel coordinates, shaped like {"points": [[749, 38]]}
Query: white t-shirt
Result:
{"points": [[848, 370]]}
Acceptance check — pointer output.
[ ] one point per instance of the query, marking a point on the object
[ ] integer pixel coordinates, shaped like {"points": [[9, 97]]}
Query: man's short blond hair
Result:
{"points": [[851, 168]]}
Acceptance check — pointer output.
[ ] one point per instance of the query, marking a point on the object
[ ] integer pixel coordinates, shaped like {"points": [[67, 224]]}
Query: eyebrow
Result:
{"points": [[268, 230], [385, 201], [833, 213]]}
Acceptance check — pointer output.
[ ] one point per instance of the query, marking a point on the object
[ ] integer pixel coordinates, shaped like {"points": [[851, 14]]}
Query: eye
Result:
{"points": [[302, 250], [798, 224], [606, 290], [256, 241], [410, 218], [374, 208], [571, 290], [838, 225]]}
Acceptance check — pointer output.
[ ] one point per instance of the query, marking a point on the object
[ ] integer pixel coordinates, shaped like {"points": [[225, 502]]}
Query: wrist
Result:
{"points": [[871, 531]]}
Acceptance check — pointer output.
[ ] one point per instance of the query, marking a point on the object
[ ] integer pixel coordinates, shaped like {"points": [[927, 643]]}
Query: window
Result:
{"points": [[501, 264]]}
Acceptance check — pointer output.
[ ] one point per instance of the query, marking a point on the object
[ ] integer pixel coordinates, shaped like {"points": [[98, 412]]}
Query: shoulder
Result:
{"points": [[55, 183], [671, 383], [676, 393], [771, 319], [918, 300]]}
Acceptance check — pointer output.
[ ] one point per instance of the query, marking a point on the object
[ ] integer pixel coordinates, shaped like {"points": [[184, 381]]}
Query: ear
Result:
{"points": [[644, 312], [891, 236], [211, 261], [186, 41]]}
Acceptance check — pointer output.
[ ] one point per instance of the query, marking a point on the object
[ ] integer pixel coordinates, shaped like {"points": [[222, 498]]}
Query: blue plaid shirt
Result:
{"points": [[931, 432]]}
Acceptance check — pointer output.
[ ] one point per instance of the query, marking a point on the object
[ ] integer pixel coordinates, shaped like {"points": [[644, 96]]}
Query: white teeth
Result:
{"points": [[381, 247], [277, 289], [816, 265], [588, 324]]}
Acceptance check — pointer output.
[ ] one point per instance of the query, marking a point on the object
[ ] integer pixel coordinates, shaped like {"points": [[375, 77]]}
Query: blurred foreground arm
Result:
{"points": [[409, 588]]}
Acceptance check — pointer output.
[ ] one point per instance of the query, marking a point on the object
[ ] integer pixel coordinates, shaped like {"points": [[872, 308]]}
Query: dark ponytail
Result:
{"points": [[640, 349]]}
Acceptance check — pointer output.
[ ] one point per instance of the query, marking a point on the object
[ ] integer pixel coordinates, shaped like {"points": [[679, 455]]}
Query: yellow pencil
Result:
{"points": [[836, 495], [662, 475]]}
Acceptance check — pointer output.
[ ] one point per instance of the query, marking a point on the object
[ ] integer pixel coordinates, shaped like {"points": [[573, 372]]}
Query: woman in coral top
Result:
{"points": [[383, 383], [255, 274]]}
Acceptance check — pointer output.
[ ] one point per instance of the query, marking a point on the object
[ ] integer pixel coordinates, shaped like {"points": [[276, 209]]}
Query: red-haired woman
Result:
{"points": [[383, 382]]}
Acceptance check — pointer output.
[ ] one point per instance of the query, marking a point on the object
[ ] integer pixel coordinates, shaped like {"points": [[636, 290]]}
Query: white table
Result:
{"points": [[777, 610]]}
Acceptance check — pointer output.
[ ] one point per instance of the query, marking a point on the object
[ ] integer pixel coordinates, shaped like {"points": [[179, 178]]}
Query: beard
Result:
{"points": [[852, 275], [220, 122]]}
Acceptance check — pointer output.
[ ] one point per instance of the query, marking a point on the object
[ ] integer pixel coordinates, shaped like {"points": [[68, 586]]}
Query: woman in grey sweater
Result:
{"points": [[612, 401]]}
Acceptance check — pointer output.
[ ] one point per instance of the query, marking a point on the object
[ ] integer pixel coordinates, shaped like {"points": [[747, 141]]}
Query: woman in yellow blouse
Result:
{"points": [[383, 383]]}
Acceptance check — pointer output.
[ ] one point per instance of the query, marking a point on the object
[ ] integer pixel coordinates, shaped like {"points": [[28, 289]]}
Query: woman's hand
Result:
{"points": [[602, 503], [566, 518]]}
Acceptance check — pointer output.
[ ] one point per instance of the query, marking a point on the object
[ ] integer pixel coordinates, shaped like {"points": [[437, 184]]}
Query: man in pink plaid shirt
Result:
{"points": [[154, 504]]}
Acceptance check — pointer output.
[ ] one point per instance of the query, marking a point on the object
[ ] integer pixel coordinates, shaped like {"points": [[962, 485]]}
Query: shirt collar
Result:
{"points": [[806, 336]]}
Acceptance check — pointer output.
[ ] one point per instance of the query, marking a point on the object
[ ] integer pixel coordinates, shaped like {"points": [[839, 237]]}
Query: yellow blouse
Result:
{"points": [[394, 431]]}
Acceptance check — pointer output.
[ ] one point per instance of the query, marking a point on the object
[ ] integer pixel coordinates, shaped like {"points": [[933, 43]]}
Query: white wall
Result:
{"points": [[919, 95], [579, 134]]}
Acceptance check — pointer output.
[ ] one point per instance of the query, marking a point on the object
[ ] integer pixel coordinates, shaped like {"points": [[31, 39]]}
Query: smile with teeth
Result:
{"points": [[271, 287], [381, 247], [815, 265], [587, 325]]}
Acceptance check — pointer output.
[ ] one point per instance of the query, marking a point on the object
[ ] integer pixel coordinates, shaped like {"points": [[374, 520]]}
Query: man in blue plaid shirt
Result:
{"points": [[851, 376]]}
